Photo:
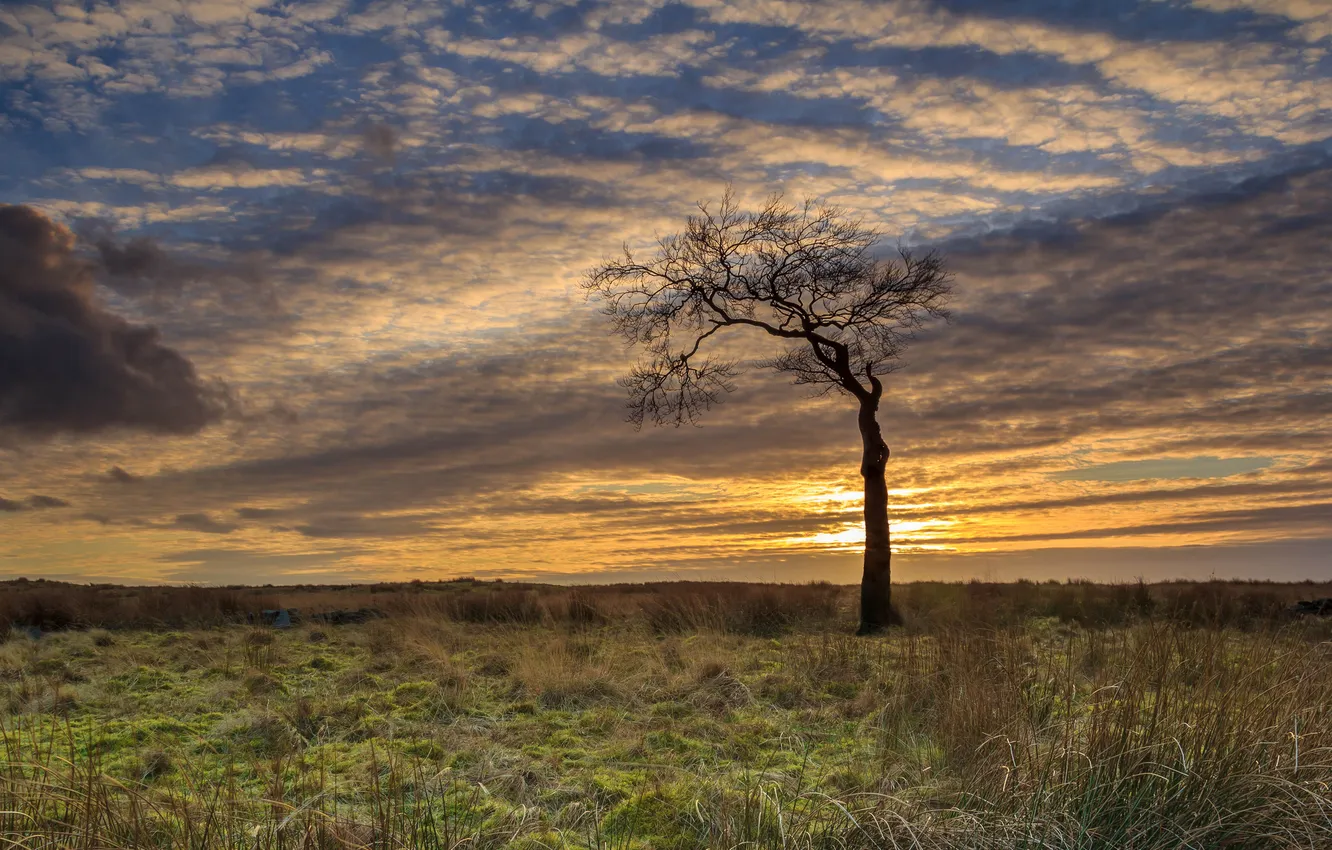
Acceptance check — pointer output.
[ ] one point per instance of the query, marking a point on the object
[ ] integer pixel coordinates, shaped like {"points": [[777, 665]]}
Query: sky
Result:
{"points": [[289, 291]]}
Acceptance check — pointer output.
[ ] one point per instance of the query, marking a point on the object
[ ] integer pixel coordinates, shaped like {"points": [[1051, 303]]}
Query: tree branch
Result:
{"points": [[807, 277]]}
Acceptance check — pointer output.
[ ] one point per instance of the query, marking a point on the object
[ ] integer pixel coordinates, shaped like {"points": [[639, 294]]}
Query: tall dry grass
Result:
{"points": [[1154, 735], [737, 607], [53, 606], [49, 801]]}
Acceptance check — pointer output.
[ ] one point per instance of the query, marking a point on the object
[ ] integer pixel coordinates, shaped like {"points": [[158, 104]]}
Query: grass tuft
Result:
{"points": [[1062, 717]]}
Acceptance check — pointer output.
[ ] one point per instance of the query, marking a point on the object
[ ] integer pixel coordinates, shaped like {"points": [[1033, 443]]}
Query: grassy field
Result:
{"points": [[668, 716]]}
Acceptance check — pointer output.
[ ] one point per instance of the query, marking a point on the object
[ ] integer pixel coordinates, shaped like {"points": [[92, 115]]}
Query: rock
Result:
{"points": [[285, 618], [278, 618]]}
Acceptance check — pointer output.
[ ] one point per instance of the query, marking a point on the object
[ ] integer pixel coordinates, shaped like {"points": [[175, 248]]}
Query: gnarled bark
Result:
{"points": [[876, 609]]}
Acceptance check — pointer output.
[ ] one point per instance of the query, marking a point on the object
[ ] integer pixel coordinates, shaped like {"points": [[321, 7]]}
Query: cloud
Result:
{"points": [[1310, 519], [204, 523], [236, 175], [1100, 326], [39, 501], [35, 502], [258, 513], [660, 55], [1133, 497], [120, 476], [1070, 336], [356, 527], [238, 565], [137, 266], [1262, 87], [380, 141], [1314, 19], [136, 258], [68, 365], [1157, 468], [418, 187]]}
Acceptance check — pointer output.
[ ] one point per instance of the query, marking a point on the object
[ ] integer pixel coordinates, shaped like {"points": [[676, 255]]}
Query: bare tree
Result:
{"points": [[807, 276]]}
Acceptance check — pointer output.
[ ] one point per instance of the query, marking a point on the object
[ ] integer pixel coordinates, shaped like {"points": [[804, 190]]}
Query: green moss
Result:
{"points": [[657, 743], [141, 680], [658, 818], [411, 693], [672, 742], [841, 690], [429, 750], [672, 710], [537, 841]]}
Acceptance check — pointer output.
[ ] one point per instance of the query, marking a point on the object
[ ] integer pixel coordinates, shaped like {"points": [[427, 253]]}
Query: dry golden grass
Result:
{"points": [[1070, 717], [761, 609]]}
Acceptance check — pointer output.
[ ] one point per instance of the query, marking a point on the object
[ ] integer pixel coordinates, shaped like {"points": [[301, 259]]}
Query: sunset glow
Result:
{"points": [[363, 225]]}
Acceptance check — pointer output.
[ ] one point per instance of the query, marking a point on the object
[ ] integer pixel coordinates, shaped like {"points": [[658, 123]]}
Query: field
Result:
{"points": [[480, 715]]}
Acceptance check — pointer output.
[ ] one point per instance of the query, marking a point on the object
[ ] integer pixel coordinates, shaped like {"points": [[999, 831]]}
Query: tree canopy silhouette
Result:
{"points": [[808, 276]]}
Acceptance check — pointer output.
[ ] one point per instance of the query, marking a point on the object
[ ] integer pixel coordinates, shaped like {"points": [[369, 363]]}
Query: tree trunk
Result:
{"points": [[876, 609]]}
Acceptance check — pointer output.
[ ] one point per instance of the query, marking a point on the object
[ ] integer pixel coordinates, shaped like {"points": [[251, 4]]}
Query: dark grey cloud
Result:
{"points": [[1322, 466], [173, 284], [1207, 311], [138, 267], [1301, 490], [258, 513], [69, 365], [203, 522], [380, 141], [427, 176], [1027, 366], [1285, 518], [35, 502], [499, 439], [121, 476], [352, 527], [1127, 325], [226, 566], [136, 258]]}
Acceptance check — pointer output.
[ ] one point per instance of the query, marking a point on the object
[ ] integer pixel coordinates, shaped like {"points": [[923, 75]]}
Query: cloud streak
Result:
{"points": [[368, 220]]}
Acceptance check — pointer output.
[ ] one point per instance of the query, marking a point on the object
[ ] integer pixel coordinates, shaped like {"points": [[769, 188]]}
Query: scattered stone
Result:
{"points": [[1316, 607], [278, 618], [285, 618]]}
